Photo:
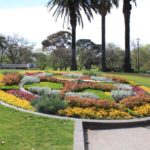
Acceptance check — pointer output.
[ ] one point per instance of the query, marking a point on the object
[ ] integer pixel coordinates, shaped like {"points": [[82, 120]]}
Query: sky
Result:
{"points": [[31, 20]]}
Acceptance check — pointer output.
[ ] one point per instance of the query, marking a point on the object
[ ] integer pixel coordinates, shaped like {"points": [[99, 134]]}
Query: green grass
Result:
{"points": [[138, 78], [10, 87], [50, 85], [23, 131], [100, 94]]}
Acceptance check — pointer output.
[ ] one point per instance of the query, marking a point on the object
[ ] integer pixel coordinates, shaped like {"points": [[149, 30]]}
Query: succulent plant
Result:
{"points": [[101, 79], [120, 94], [29, 80], [82, 95]]}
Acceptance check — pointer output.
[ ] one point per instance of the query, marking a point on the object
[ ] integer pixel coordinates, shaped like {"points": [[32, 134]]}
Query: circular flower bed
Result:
{"points": [[76, 95]]}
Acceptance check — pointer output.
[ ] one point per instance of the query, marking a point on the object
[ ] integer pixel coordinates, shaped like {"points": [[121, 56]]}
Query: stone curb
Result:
{"points": [[78, 143]]}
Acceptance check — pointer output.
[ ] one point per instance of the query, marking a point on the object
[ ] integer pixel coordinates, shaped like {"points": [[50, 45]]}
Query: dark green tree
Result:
{"points": [[71, 10], [127, 7]]}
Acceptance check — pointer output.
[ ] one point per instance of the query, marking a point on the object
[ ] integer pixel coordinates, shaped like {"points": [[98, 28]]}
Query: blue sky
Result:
{"points": [[31, 20], [21, 3]]}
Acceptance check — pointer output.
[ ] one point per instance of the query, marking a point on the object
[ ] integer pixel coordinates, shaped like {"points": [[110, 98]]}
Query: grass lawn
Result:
{"points": [[51, 85], [23, 131], [138, 78], [100, 94]]}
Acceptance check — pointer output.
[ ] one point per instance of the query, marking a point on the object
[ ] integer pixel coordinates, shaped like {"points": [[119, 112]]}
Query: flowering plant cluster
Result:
{"points": [[117, 79], [88, 102], [138, 90], [12, 79], [15, 101], [22, 94], [133, 101], [1, 80], [94, 113], [142, 110], [145, 89], [77, 87], [85, 77]]}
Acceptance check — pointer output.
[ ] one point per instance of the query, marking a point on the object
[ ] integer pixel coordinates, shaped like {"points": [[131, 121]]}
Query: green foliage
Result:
{"points": [[139, 79], [10, 87], [100, 94], [51, 85], [49, 105], [23, 131], [9, 72]]}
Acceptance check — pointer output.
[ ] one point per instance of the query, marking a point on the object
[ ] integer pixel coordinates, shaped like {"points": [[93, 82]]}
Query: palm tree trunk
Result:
{"points": [[126, 12], [103, 44], [73, 57]]}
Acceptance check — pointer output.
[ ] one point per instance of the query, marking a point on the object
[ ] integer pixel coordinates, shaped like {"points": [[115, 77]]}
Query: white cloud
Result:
{"points": [[35, 24]]}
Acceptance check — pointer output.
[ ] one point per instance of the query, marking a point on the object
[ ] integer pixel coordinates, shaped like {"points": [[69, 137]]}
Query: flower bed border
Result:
{"points": [[134, 120]]}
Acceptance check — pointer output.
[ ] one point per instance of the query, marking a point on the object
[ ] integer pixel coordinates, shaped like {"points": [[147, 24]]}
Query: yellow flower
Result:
{"points": [[107, 93], [145, 89], [1, 80], [118, 114], [133, 83], [94, 113], [142, 110], [15, 101]]}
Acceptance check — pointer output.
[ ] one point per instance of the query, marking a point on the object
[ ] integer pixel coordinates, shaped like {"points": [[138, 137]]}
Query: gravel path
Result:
{"points": [[137, 138]]}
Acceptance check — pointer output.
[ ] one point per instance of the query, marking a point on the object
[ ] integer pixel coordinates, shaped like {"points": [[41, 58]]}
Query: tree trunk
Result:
{"points": [[126, 11], [103, 44], [73, 46]]}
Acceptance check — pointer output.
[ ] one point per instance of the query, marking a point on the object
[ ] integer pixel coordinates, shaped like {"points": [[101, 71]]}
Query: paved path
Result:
{"points": [[137, 138]]}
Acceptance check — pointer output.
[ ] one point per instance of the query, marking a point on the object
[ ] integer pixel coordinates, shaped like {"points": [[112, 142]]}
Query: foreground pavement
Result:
{"points": [[137, 138]]}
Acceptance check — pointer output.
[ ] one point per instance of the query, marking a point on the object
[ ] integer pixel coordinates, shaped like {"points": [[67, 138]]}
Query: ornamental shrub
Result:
{"points": [[12, 79], [49, 105], [88, 102], [133, 101], [117, 79]]}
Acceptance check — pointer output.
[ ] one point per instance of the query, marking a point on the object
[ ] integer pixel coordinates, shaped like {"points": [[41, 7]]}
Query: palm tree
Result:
{"points": [[127, 11], [104, 7], [71, 10]]}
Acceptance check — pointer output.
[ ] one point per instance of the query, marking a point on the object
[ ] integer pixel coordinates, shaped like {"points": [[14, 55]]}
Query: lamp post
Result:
{"points": [[138, 54]]}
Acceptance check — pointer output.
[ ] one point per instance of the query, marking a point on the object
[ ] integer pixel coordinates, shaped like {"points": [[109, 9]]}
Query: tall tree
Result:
{"points": [[127, 7], [71, 10], [3, 45], [104, 7], [57, 40]]}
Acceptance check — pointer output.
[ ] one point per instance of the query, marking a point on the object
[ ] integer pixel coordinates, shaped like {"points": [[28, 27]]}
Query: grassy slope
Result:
{"points": [[23, 131], [140, 79]]}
